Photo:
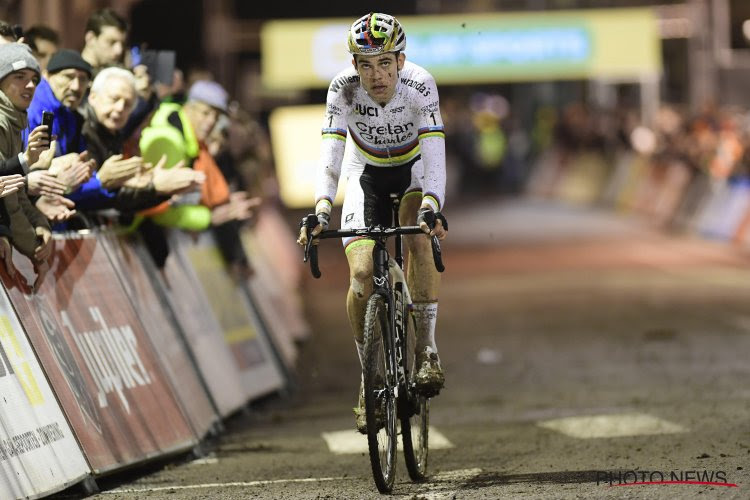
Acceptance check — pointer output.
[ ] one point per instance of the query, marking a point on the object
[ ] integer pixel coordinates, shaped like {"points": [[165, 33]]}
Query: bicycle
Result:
{"points": [[389, 353]]}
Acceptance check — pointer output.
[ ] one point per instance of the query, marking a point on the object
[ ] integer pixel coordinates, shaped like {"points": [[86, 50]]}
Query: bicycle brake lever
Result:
{"points": [[308, 245]]}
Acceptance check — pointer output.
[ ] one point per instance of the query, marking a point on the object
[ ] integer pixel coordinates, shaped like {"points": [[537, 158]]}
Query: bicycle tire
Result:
{"points": [[380, 391], [415, 408]]}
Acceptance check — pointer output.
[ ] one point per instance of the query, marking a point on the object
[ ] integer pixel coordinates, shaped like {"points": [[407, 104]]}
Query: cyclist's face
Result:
{"points": [[379, 74]]}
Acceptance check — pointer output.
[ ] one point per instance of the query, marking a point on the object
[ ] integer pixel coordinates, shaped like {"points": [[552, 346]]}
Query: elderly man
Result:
{"points": [[125, 184], [179, 133]]}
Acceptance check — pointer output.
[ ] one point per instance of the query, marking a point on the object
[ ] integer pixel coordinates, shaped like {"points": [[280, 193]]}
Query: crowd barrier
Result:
{"points": [[667, 193], [112, 362]]}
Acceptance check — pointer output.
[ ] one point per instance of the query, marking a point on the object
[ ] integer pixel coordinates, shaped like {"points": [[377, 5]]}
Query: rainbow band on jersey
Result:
{"points": [[323, 205], [334, 133], [382, 156], [432, 200], [424, 133]]}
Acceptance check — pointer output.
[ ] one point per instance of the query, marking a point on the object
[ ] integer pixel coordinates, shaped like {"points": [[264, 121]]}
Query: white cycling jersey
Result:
{"points": [[384, 136]]}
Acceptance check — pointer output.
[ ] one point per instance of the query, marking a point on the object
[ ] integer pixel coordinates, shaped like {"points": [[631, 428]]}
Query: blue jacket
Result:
{"points": [[67, 125]]}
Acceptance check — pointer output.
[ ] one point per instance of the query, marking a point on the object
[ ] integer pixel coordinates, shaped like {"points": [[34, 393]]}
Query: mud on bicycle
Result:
{"points": [[392, 402]]}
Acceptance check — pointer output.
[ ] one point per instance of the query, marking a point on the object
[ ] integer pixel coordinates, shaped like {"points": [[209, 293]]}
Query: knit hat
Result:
{"points": [[15, 57], [210, 93], [66, 59]]}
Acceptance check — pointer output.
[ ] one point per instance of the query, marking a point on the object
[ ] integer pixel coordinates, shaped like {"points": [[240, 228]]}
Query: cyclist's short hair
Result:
{"points": [[105, 17]]}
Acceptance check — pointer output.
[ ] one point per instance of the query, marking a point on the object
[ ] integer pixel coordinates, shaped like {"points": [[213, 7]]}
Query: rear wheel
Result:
{"points": [[415, 409], [380, 395]]}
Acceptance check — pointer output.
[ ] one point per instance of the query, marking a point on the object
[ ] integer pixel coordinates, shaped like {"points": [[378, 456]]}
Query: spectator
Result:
{"points": [[125, 184], [106, 32], [180, 132], [62, 90], [105, 38], [44, 41], [227, 235], [29, 230]]}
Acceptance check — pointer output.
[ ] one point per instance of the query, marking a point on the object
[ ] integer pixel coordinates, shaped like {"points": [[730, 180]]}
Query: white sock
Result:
{"points": [[425, 314]]}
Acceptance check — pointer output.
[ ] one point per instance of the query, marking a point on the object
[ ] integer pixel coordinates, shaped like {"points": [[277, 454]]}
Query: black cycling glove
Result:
{"points": [[429, 217]]}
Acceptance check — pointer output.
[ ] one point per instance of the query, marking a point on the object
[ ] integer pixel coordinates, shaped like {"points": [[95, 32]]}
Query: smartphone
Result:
{"points": [[160, 64], [48, 117]]}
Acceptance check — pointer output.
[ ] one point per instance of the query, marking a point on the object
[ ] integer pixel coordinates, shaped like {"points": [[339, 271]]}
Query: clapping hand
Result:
{"points": [[9, 184]]}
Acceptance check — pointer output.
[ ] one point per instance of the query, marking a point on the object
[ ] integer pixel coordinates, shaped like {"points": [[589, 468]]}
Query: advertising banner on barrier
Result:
{"points": [[242, 329], [98, 358], [162, 329], [273, 243], [273, 304], [38, 452], [204, 335]]}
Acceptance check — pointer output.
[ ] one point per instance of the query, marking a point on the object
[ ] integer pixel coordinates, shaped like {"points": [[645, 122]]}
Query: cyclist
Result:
{"points": [[389, 112]]}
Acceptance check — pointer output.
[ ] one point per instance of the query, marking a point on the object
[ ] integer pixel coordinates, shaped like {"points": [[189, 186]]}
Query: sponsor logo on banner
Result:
{"points": [[68, 365], [31, 440], [111, 355], [12, 362]]}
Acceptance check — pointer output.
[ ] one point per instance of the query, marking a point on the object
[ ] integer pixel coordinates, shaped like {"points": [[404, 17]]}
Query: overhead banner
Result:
{"points": [[243, 332], [99, 360], [161, 327], [621, 44], [38, 452]]}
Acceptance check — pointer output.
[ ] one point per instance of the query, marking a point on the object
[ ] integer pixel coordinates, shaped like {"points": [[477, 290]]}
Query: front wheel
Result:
{"points": [[380, 395], [415, 412]]}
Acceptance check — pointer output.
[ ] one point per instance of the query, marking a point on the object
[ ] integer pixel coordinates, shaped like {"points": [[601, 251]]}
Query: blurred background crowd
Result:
{"points": [[667, 137]]}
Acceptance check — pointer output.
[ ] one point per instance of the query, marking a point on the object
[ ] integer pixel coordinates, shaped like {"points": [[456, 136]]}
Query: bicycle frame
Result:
{"points": [[393, 293], [390, 292]]}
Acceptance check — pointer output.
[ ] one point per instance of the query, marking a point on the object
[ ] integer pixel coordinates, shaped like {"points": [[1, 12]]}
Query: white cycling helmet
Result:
{"points": [[376, 33]]}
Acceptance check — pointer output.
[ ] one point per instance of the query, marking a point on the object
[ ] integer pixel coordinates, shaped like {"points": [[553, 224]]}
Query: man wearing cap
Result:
{"points": [[62, 90], [179, 132], [20, 222]]}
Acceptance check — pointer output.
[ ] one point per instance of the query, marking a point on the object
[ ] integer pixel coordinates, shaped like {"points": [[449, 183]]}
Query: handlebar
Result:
{"points": [[311, 250]]}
